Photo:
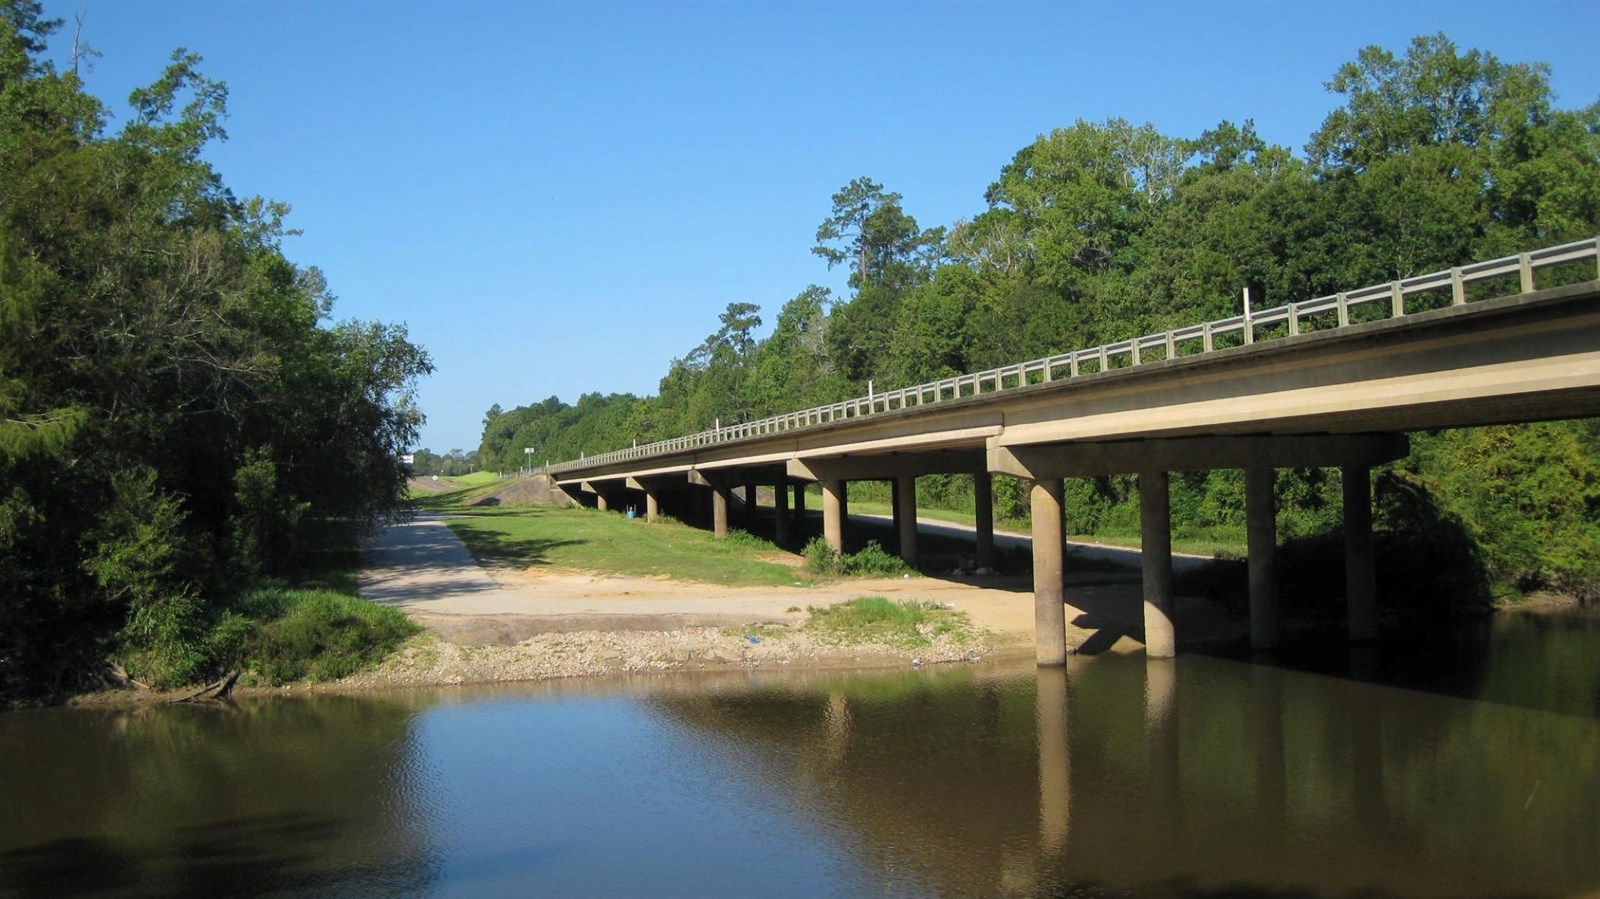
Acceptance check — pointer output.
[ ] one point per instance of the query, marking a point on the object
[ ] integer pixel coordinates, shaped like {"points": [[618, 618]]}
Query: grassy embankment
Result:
{"points": [[587, 540]]}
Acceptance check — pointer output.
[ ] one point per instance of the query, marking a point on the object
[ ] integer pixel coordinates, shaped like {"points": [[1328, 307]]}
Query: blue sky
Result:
{"points": [[559, 198]]}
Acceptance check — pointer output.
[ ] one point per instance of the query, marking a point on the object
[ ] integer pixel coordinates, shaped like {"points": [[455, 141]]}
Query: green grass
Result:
{"points": [[474, 479], [588, 540], [873, 619]]}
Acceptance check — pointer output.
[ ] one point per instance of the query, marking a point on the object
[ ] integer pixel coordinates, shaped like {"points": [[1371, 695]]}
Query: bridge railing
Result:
{"points": [[1388, 300]]}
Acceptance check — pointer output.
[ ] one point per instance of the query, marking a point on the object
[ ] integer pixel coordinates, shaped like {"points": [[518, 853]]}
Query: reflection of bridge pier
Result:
{"points": [[1053, 715], [1163, 750]]}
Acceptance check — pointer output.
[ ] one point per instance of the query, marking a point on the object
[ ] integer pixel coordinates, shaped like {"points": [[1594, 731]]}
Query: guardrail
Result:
{"points": [[1186, 342]]}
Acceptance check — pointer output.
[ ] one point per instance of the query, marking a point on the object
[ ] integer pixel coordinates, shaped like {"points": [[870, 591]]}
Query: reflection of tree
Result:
{"points": [[284, 794]]}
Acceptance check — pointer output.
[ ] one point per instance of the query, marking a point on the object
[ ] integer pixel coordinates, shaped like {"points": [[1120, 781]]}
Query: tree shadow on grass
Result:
{"points": [[492, 546]]}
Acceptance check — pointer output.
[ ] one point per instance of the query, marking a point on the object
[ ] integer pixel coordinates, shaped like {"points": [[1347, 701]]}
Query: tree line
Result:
{"points": [[1102, 231], [180, 415]]}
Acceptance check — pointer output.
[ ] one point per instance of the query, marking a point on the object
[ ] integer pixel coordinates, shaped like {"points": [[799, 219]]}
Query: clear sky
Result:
{"points": [[559, 198]]}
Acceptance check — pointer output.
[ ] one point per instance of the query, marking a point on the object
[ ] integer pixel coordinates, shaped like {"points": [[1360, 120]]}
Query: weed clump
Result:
{"points": [[871, 560], [822, 559], [875, 619]]}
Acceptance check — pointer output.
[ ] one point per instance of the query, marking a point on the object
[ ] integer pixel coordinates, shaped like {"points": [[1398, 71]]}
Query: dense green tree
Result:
{"points": [[175, 408]]}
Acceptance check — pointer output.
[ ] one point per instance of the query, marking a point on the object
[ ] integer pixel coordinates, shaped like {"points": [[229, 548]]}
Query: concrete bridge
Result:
{"points": [[1335, 381]]}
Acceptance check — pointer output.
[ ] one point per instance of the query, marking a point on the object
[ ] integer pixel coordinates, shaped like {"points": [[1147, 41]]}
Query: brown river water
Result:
{"points": [[1467, 768]]}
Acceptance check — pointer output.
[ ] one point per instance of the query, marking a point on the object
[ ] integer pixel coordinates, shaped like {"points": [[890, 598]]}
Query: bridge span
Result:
{"points": [[1335, 381]]}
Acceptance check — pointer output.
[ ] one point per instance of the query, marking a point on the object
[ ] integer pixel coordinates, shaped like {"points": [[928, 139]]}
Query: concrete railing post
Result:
{"points": [[1049, 596], [1155, 542]]}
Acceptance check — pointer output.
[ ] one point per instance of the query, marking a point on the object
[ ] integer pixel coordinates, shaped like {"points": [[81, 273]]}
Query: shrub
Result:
{"points": [[315, 634], [821, 558], [872, 560]]}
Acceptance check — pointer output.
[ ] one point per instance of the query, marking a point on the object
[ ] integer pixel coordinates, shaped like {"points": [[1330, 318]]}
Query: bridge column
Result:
{"points": [[1360, 575], [894, 515], [1049, 594], [834, 511], [600, 502], [780, 513], [905, 508], [1155, 542], [749, 517], [652, 506], [1261, 526], [719, 511], [800, 512], [983, 517]]}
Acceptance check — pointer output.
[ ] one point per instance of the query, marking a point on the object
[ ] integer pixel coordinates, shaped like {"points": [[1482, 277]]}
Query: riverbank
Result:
{"points": [[518, 613]]}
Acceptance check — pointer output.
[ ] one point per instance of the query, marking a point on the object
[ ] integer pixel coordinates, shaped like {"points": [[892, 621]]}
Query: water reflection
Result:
{"points": [[1226, 777], [1116, 776], [261, 797]]}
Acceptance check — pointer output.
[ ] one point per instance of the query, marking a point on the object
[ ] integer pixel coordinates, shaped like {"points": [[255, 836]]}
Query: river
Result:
{"points": [[1466, 768]]}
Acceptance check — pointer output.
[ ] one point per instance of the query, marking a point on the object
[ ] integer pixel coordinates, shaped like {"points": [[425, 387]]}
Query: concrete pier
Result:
{"points": [[1155, 543], [905, 509], [983, 518], [719, 511], [1261, 525], [833, 512], [1360, 574], [1049, 596], [780, 514]]}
